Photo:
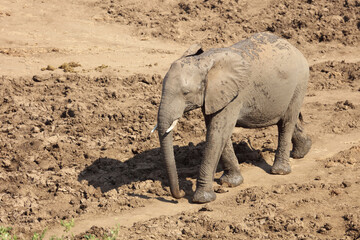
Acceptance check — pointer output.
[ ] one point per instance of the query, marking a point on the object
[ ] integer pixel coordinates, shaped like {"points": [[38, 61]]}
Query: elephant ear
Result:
{"points": [[224, 81], [193, 50]]}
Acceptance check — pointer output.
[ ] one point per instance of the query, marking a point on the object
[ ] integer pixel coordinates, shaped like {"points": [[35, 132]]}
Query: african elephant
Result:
{"points": [[257, 82]]}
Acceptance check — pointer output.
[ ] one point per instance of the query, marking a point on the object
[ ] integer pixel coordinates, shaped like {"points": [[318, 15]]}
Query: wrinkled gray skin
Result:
{"points": [[254, 83]]}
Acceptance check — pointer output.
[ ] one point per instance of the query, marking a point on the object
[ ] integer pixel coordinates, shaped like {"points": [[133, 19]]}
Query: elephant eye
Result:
{"points": [[186, 92]]}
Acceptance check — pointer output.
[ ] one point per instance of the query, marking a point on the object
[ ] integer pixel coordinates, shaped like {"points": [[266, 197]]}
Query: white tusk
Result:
{"points": [[153, 129], [172, 126]]}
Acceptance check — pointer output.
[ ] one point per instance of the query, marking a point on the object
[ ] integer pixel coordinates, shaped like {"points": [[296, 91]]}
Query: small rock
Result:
{"points": [[317, 178], [327, 226], [71, 113], [48, 121], [61, 79], [336, 130], [206, 208], [7, 129], [63, 114], [37, 78], [49, 68], [35, 129], [335, 192], [263, 220], [346, 184], [350, 104], [104, 147], [68, 113], [98, 192], [69, 67], [6, 162], [278, 189], [220, 189]]}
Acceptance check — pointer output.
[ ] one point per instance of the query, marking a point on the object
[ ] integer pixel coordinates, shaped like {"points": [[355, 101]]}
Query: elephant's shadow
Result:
{"points": [[108, 174]]}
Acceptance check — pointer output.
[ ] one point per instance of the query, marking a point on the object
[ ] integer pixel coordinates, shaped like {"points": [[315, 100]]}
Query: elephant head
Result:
{"points": [[209, 80]]}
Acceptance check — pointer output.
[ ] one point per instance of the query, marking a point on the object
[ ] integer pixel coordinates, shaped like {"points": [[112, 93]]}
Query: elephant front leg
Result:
{"points": [[281, 164], [232, 176], [219, 129]]}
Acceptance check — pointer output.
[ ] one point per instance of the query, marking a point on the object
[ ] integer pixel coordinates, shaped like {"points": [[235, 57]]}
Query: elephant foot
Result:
{"points": [[281, 168], [300, 150], [202, 196], [231, 180]]}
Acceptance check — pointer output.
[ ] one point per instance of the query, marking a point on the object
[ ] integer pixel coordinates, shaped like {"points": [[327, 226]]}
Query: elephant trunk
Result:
{"points": [[168, 154], [167, 150]]}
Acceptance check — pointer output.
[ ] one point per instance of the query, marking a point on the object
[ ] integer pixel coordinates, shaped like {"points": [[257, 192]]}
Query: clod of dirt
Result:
{"points": [[325, 228], [49, 68], [101, 67], [35, 129], [345, 158], [220, 189], [93, 233], [69, 67], [68, 113], [206, 208], [4, 13], [317, 178], [344, 105], [40, 78], [346, 184], [6, 163]]}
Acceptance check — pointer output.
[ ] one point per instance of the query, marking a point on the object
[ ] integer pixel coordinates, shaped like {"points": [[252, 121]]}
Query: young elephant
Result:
{"points": [[258, 82]]}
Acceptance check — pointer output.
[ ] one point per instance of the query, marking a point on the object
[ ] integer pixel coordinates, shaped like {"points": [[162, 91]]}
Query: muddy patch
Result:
{"points": [[222, 22]]}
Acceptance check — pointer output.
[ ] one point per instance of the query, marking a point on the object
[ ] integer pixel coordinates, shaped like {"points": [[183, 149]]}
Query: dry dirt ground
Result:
{"points": [[79, 91]]}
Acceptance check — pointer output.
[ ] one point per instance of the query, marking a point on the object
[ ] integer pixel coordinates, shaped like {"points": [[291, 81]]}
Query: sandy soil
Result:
{"points": [[80, 88]]}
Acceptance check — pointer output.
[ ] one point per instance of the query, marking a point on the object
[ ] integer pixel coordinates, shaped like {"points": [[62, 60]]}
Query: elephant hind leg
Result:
{"points": [[232, 176], [289, 131], [281, 164], [301, 142]]}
